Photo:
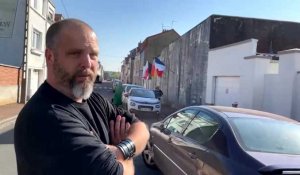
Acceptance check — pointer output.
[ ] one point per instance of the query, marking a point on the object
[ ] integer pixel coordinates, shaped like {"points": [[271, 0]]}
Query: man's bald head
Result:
{"points": [[56, 28], [72, 58]]}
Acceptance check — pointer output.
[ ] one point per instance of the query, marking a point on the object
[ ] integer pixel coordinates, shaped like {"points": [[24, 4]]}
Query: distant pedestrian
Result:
{"points": [[117, 99], [158, 92]]}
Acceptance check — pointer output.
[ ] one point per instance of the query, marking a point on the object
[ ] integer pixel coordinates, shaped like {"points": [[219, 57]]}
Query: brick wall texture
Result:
{"points": [[9, 75]]}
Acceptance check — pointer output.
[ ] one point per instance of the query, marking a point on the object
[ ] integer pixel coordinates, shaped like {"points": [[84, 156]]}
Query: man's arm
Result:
{"points": [[136, 132], [128, 166], [139, 134]]}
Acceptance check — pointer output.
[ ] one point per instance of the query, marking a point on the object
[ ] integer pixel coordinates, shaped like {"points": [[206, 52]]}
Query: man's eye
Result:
{"points": [[93, 55], [75, 53]]}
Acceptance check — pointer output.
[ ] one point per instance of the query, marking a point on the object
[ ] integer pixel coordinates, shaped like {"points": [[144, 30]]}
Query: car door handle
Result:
{"points": [[175, 141], [192, 155]]}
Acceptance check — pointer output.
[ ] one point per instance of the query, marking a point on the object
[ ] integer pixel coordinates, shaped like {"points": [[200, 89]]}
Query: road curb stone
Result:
{"points": [[8, 121]]}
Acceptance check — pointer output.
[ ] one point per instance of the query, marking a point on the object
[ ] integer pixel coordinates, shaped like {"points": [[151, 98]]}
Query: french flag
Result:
{"points": [[146, 71], [159, 67]]}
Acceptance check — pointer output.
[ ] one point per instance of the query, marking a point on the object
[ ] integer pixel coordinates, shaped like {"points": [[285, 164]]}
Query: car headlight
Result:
{"points": [[132, 103], [157, 106]]}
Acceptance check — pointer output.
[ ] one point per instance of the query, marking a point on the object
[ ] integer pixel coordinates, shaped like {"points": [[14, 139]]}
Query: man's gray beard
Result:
{"points": [[82, 90], [79, 90]]}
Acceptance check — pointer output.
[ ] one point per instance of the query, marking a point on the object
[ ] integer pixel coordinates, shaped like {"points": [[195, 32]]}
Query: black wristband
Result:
{"points": [[127, 147]]}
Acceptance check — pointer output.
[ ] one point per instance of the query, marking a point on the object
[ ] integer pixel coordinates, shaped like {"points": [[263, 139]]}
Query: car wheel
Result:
{"points": [[148, 156]]}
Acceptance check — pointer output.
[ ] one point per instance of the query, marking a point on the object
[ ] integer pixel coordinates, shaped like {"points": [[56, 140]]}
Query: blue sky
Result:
{"points": [[121, 24]]}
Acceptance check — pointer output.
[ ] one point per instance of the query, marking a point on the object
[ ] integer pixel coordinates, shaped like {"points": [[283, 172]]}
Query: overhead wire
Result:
{"points": [[62, 2]]}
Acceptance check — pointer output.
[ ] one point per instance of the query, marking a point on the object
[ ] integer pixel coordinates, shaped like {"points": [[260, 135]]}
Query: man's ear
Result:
{"points": [[49, 55]]}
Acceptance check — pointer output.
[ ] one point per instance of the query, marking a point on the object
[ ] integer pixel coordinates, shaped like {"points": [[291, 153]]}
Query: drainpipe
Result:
{"points": [[179, 75], [25, 51]]}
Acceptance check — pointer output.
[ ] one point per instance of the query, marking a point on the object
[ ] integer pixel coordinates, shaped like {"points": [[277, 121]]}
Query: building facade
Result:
{"points": [[147, 50], [186, 59], [41, 16], [22, 45], [237, 73]]}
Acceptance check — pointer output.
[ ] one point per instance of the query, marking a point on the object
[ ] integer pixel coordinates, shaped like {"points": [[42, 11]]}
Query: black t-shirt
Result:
{"points": [[55, 135]]}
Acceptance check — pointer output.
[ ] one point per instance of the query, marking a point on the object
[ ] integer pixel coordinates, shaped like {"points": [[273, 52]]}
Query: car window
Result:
{"points": [[142, 93], [266, 135], [123, 87], [127, 89], [201, 128], [178, 122]]}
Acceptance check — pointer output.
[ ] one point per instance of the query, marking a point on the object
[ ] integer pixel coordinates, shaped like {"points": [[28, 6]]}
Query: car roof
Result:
{"points": [[135, 88], [125, 84], [133, 85], [231, 112]]}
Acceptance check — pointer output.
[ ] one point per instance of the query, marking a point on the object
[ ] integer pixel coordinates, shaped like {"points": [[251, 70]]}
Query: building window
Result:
{"points": [[34, 3], [36, 40], [50, 16]]}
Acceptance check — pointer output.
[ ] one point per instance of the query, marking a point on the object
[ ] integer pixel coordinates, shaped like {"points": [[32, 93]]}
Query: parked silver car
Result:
{"points": [[140, 99], [126, 91]]}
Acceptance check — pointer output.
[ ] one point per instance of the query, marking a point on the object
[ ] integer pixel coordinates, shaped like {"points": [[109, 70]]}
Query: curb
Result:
{"points": [[11, 120]]}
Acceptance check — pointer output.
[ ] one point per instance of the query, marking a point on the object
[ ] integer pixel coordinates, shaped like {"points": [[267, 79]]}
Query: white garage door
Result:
{"points": [[227, 90]]}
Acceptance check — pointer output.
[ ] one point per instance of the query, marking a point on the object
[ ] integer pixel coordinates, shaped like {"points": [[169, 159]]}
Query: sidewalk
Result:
{"points": [[9, 112]]}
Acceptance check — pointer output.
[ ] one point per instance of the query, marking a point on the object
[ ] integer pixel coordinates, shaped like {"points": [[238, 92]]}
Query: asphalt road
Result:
{"points": [[7, 153]]}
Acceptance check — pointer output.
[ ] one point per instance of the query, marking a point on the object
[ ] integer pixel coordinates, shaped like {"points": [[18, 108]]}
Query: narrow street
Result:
{"points": [[7, 158]]}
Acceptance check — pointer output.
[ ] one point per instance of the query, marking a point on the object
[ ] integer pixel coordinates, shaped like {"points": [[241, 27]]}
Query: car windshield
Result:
{"points": [[124, 86], [267, 135], [142, 93], [129, 87]]}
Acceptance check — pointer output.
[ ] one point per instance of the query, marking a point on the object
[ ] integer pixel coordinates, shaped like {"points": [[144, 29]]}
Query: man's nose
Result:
{"points": [[86, 61]]}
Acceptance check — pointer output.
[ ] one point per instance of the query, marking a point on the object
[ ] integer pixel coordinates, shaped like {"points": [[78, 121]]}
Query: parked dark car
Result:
{"points": [[214, 140]]}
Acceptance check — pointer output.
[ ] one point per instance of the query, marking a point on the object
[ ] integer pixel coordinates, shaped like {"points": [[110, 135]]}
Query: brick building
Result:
{"points": [[9, 83]]}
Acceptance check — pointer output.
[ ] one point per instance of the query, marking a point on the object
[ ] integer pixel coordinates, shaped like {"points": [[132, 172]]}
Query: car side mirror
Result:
{"points": [[164, 130], [167, 131], [161, 127]]}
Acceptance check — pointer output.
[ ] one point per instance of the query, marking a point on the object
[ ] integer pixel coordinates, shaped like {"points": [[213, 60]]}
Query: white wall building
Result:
{"points": [[41, 16], [282, 91], [236, 73]]}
